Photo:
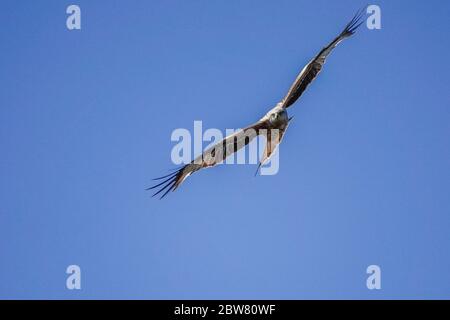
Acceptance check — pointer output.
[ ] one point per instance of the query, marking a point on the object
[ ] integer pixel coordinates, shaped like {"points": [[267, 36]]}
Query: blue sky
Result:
{"points": [[85, 123]]}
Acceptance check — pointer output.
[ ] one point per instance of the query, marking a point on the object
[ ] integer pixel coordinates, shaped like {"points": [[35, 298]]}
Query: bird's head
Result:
{"points": [[279, 118]]}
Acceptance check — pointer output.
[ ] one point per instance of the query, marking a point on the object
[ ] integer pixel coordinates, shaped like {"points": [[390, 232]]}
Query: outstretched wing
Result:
{"points": [[312, 69], [209, 158]]}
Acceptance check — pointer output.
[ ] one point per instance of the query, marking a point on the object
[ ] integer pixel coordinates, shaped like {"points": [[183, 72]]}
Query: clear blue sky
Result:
{"points": [[85, 123]]}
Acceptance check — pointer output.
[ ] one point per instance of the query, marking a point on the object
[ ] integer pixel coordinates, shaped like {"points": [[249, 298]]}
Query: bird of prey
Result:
{"points": [[272, 126]]}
